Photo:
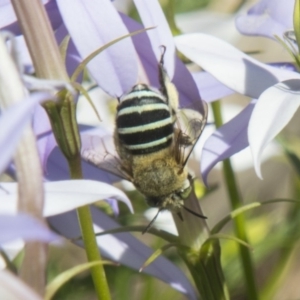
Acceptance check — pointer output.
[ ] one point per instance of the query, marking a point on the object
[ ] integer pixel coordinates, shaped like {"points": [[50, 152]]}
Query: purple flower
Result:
{"points": [[12, 225], [258, 124], [267, 18], [13, 120], [24, 227], [13, 288], [115, 70]]}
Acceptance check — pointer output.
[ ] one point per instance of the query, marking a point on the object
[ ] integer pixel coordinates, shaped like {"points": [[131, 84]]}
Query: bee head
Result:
{"points": [[173, 201]]}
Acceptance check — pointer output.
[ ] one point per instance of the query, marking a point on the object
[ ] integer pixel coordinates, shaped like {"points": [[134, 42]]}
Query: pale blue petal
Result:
{"points": [[186, 86], [24, 227], [226, 141], [144, 49], [210, 88], [267, 18], [126, 249], [93, 24], [12, 121], [151, 15], [189, 94], [231, 66], [8, 20], [274, 109], [13, 288], [65, 195]]}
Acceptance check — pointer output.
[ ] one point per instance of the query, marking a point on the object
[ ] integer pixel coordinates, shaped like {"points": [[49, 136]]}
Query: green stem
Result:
{"points": [[296, 21], [89, 238], [169, 9], [288, 253], [201, 257], [239, 222], [205, 268]]}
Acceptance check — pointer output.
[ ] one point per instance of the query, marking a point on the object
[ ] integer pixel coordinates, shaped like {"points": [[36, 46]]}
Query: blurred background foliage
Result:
{"points": [[272, 229]]}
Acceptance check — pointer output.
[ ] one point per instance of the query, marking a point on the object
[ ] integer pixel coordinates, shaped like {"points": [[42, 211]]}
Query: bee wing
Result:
{"points": [[190, 124], [101, 152]]}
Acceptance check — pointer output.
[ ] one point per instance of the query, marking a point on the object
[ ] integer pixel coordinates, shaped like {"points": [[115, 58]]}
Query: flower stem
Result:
{"points": [[239, 222], [89, 238], [201, 256], [169, 10]]}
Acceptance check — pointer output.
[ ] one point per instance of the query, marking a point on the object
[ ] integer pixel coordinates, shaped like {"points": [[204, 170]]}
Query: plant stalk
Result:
{"points": [[89, 238], [202, 257], [240, 221]]}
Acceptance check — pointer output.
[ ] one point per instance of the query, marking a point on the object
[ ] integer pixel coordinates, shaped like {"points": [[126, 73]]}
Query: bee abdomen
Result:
{"points": [[144, 121]]}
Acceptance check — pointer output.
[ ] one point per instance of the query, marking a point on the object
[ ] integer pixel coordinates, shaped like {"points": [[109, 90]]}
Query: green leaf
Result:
{"points": [[83, 91], [62, 278], [218, 227], [229, 237], [297, 21], [171, 238], [242, 209], [291, 148], [64, 46], [287, 48], [157, 253], [294, 160]]}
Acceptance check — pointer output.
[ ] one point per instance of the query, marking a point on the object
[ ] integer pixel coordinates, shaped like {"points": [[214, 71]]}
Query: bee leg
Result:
{"points": [[152, 221], [179, 214], [127, 172], [167, 88]]}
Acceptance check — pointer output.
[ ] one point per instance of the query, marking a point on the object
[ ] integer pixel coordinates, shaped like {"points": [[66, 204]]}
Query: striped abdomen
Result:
{"points": [[144, 121]]}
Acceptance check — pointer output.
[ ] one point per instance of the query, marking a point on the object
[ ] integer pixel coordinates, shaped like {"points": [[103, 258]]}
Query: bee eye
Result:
{"points": [[184, 193]]}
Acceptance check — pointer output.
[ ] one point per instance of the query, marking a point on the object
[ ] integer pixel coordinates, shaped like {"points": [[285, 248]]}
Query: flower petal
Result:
{"points": [[73, 58], [8, 19], [125, 248], [187, 89], [210, 88], [42, 129], [152, 15], [267, 18], [189, 96], [24, 227], [13, 288], [90, 26], [62, 196], [226, 141], [13, 120], [230, 66], [145, 52], [274, 109]]}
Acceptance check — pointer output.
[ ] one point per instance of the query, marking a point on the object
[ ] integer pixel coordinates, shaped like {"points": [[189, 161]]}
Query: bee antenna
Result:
{"points": [[164, 49], [152, 221], [193, 213]]}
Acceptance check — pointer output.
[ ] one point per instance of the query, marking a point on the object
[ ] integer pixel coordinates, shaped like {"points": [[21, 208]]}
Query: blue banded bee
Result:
{"points": [[152, 146]]}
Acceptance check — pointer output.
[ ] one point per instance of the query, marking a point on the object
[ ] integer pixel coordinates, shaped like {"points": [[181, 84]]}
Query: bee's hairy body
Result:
{"points": [[144, 139], [153, 141]]}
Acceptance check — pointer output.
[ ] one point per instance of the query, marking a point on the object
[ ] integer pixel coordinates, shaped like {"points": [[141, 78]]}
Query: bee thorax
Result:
{"points": [[159, 178]]}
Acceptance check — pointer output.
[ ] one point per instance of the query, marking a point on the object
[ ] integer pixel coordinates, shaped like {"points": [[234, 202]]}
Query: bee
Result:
{"points": [[151, 145]]}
